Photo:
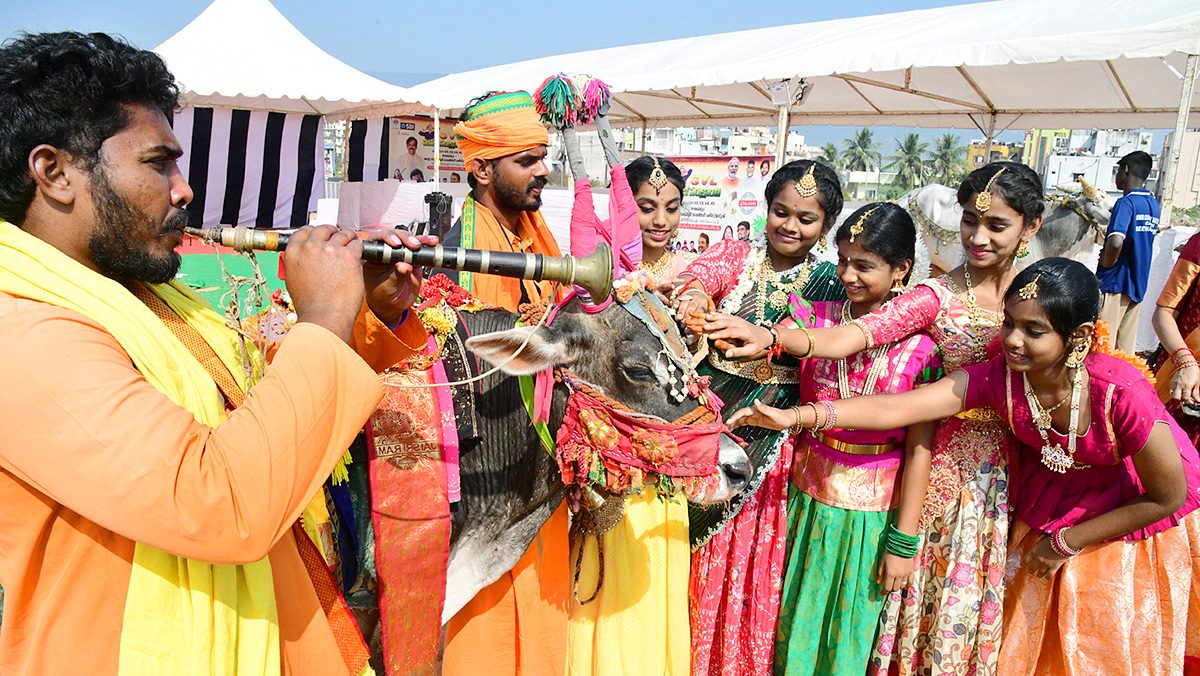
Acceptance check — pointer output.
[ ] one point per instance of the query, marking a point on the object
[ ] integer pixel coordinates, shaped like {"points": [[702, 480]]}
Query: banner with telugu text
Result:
{"points": [[723, 198]]}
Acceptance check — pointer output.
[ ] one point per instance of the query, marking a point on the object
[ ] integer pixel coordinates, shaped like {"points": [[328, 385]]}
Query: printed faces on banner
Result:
{"points": [[410, 150], [723, 198]]}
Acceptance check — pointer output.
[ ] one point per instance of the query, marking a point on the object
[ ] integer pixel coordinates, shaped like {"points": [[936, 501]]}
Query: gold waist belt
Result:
{"points": [[855, 449], [760, 371]]}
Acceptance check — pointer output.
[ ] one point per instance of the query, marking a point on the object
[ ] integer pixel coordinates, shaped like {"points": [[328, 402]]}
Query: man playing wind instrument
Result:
{"points": [[147, 503]]}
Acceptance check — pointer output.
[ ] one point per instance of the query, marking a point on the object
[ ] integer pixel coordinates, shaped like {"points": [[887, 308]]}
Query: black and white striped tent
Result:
{"points": [[257, 95], [260, 169]]}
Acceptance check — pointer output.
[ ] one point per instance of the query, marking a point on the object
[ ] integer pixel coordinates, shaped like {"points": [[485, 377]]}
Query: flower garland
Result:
{"points": [[440, 299], [1102, 343], [732, 302]]}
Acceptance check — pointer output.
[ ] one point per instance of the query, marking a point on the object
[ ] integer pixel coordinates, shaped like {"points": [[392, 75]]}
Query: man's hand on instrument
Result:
{"points": [[323, 269], [392, 289]]}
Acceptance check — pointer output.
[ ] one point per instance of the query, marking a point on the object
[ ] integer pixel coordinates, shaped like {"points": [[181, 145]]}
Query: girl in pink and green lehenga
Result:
{"points": [[947, 621], [843, 556], [737, 565]]}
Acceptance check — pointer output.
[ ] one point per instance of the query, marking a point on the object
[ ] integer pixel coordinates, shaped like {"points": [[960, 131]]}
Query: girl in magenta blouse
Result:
{"points": [[1101, 575]]}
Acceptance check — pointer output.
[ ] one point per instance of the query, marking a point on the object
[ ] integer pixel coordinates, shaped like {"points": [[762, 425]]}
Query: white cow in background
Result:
{"points": [[1072, 225]]}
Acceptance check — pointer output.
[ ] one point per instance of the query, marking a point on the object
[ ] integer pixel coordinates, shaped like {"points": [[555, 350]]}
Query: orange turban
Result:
{"points": [[500, 125]]}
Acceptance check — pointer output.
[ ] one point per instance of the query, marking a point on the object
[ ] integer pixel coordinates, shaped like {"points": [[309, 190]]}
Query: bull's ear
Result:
{"points": [[543, 347]]}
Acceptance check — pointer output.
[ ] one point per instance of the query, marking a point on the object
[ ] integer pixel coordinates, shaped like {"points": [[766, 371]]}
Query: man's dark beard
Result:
{"points": [[518, 198], [114, 245]]}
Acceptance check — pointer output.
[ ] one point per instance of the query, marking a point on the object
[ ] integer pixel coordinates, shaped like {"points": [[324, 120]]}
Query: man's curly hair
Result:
{"points": [[69, 90]]}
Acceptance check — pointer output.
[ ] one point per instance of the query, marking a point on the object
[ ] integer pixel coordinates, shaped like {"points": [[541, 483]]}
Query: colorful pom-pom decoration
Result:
{"points": [[557, 101], [593, 93]]}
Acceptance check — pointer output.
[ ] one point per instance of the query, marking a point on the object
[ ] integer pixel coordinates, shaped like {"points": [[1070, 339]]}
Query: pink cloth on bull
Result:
{"points": [[621, 231]]}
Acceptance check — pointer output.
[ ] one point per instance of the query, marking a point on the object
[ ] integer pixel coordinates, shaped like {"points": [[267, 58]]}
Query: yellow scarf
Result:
{"points": [[181, 616]]}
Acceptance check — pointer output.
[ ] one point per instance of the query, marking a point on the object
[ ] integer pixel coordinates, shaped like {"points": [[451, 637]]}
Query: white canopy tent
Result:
{"points": [[245, 54], [993, 66], [257, 95]]}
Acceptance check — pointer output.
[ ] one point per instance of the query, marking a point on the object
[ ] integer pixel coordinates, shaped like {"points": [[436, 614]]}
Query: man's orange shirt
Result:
{"points": [[93, 459]]}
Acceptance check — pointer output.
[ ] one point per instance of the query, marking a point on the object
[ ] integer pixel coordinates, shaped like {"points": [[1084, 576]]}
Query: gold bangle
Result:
{"points": [[812, 342], [797, 428]]}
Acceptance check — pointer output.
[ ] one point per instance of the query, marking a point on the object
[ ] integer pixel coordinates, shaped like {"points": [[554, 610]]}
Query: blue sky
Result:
{"points": [[400, 42]]}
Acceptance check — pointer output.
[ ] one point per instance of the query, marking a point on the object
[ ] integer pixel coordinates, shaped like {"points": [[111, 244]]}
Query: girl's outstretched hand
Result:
{"points": [[736, 337], [761, 415]]}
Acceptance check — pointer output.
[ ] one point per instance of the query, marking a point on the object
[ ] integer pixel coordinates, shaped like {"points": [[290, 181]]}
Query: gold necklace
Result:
{"points": [[655, 269], [1041, 416], [980, 318], [1053, 455], [878, 363], [778, 298]]}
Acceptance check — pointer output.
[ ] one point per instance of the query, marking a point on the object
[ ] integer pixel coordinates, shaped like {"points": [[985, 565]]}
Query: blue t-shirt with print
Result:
{"points": [[1136, 217]]}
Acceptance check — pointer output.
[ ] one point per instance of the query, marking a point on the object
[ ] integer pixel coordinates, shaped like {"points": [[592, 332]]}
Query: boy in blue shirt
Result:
{"points": [[1128, 248]]}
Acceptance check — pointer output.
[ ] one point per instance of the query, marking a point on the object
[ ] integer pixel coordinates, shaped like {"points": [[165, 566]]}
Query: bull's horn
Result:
{"points": [[593, 272], [1090, 190]]}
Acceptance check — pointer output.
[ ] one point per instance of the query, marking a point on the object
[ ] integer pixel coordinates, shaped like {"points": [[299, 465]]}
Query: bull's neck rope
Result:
{"points": [[485, 374]]}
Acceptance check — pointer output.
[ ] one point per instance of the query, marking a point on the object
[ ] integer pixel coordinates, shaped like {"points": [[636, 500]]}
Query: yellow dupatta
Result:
{"points": [[181, 616]]}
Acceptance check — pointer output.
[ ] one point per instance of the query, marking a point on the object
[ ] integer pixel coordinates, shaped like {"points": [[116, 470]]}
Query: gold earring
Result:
{"points": [[822, 244], [898, 287], [1023, 249], [1079, 352]]}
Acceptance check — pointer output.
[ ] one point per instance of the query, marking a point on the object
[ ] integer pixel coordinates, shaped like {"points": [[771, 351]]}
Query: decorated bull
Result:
{"points": [[1071, 224], [617, 394]]}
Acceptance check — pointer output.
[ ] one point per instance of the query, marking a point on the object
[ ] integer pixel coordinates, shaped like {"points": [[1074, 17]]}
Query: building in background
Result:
{"points": [[1042, 143], [868, 186], [978, 153], [1109, 142]]}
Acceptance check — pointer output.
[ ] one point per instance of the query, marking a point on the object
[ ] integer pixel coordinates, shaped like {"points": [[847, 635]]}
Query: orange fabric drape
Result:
{"points": [[500, 125], [533, 237], [518, 624]]}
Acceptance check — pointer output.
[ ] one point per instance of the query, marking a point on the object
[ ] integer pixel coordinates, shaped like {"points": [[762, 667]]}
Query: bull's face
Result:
{"points": [[619, 355]]}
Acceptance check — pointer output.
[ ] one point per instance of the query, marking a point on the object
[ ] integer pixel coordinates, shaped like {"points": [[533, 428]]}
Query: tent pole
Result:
{"points": [[987, 157], [781, 137], [642, 144], [1172, 166], [437, 148], [345, 149]]}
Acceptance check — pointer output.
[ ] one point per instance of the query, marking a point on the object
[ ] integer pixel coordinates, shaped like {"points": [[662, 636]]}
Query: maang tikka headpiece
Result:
{"points": [[857, 228], [983, 199], [807, 185], [658, 177], [1030, 290]]}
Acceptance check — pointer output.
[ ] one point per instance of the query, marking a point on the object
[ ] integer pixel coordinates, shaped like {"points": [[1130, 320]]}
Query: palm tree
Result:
{"points": [[909, 160], [947, 158], [832, 156], [862, 152]]}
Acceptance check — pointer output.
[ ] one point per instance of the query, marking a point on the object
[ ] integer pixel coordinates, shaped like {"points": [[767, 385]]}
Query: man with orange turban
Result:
{"points": [[504, 148], [518, 624]]}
